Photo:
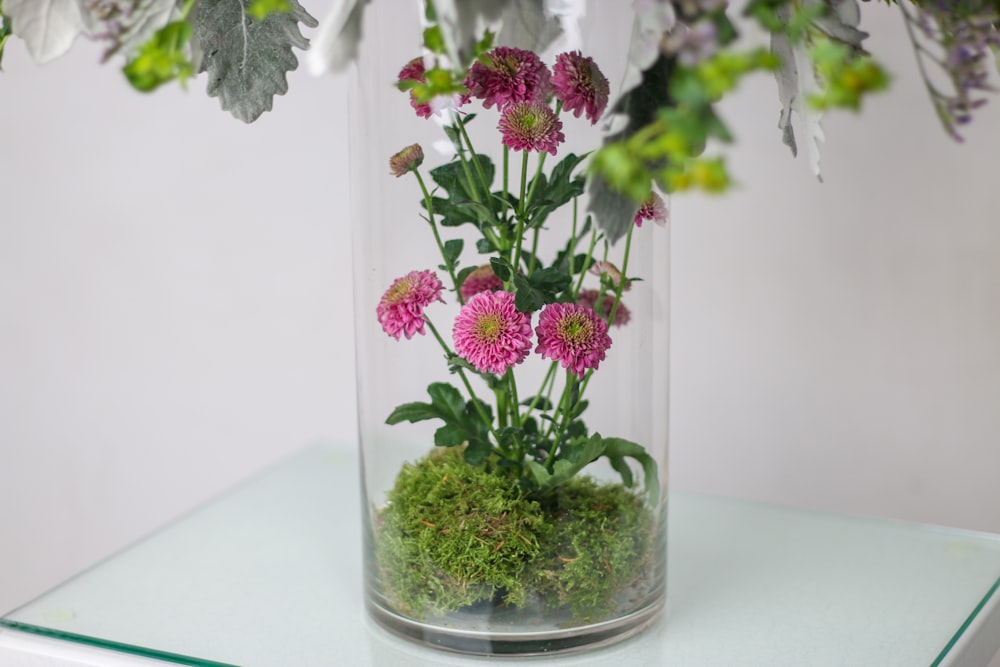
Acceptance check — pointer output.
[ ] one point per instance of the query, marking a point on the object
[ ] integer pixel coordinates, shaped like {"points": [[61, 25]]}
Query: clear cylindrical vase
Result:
{"points": [[512, 362]]}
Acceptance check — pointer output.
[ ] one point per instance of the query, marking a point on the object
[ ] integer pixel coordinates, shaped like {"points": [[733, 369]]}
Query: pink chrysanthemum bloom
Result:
{"points": [[414, 71], [507, 75], [573, 335], [580, 85], [530, 126], [482, 279], [491, 334], [401, 309], [652, 209], [406, 160], [602, 305]]}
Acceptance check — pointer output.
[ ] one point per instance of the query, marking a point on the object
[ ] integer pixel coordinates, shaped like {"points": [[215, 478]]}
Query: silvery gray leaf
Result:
{"points": [[126, 24], [613, 210], [462, 23], [787, 78], [841, 21], [527, 26], [336, 44], [48, 27], [247, 60], [796, 82]]}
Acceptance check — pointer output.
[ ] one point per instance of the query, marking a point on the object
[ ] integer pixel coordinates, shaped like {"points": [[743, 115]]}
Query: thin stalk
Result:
{"points": [[450, 265], [590, 256], [514, 405], [549, 375], [564, 409], [519, 230], [624, 278], [475, 163]]}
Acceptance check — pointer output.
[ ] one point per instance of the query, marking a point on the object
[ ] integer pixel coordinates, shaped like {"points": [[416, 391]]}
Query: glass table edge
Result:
{"points": [[120, 647]]}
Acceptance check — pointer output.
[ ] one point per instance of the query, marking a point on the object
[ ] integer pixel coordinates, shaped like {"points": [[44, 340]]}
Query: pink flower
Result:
{"points": [[580, 85], [507, 75], [491, 334], [530, 126], [602, 305], [573, 335], [414, 71], [652, 209], [482, 279], [401, 309]]}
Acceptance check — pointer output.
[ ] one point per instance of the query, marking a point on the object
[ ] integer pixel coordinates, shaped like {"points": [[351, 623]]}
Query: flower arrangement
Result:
{"points": [[505, 511], [515, 305]]}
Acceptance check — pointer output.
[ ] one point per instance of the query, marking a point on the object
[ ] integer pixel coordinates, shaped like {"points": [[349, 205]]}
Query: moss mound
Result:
{"points": [[453, 535]]}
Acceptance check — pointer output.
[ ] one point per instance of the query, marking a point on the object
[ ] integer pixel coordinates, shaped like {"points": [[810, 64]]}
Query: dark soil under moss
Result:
{"points": [[452, 535]]}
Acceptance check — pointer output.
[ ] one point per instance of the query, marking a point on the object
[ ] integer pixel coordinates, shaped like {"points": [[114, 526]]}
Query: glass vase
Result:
{"points": [[512, 369]]}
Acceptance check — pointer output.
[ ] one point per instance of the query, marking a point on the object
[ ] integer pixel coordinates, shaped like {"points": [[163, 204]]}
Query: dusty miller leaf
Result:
{"points": [[247, 60], [796, 82], [339, 35], [613, 210], [463, 22], [48, 27], [126, 24], [797, 79], [527, 26]]}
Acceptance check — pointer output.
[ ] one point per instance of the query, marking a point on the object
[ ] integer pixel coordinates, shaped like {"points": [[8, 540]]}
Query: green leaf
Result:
{"points": [[485, 246], [412, 412], [452, 178], [618, 448], [247, 60], [161, 59], [476, 452], [447, 401], [550, 280], [4, 34], [450, 214], [541, 402], [452, 251], [526, 298], [572, 459], [449, 435], [501, 268]]}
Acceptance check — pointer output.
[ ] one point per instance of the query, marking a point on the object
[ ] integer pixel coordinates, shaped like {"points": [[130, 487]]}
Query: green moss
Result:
{"points": [[453, 535]]}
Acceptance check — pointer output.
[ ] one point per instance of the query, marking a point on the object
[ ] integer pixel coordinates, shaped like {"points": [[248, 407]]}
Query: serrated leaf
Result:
{"points": [[618, 448], [613, 210], [476, 452], [526, 25], [247, 61], [412, 412], [447, 400], [338, 38], [48, 27], [463, 22], [501, 268], [797, 81], [449, 435], [453, 250], [124, 32]]}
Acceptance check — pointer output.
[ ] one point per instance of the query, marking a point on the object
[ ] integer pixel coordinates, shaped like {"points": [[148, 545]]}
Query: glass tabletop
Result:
{"points": [[269, 574]]}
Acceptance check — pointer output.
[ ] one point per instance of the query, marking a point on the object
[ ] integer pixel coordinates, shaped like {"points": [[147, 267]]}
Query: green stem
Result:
{"points": [[549, 375], [590, 256], [624, 277], [519, 231], [449, 265], [465, 380], [475, 163], [564, 410], [515, 409]]}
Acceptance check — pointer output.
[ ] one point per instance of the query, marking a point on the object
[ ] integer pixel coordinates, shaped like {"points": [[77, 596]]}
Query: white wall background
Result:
{"points": [[174, 288]]}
